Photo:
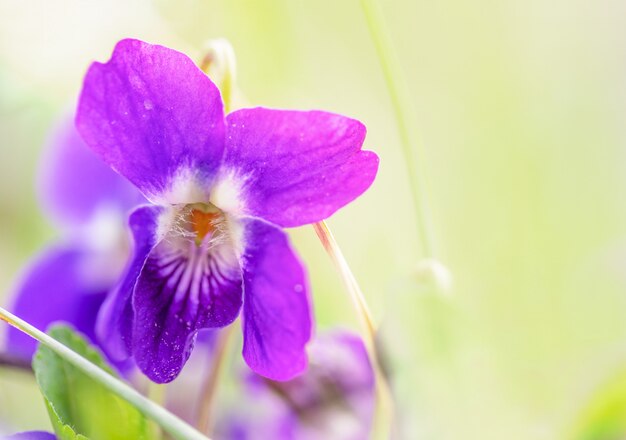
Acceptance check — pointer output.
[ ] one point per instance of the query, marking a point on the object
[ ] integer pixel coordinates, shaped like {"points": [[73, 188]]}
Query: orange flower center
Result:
{"points": [[204, 223]]}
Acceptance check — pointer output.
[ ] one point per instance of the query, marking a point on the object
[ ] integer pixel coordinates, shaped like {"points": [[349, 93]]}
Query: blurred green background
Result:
{"points": [[521, 108]]}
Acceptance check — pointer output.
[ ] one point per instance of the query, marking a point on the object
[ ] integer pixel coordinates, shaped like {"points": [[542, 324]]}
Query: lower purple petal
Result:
{"points": [[55, 288], [183, 288], [277, 318], [114, 323]]}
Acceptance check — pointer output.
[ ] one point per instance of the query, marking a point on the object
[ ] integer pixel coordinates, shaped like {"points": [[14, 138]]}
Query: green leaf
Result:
{"points": [[79, 407], [604, 415]]}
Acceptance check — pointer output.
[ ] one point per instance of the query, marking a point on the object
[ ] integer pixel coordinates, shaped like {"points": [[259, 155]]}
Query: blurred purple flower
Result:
{"points": [[334, 399], [31, 435], [222, 188], [69, 280]]}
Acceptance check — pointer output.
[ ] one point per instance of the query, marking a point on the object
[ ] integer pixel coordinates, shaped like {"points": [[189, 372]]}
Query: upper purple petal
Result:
{"points": [[156, 118], [115, 319], [295, 167], [183, 287], [276, 312], [74, 183], [56, 287]]}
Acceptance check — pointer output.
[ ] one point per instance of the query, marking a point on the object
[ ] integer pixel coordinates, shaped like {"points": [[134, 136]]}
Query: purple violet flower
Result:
{"points": [[69, 280], [221, 188], [334, 399]]}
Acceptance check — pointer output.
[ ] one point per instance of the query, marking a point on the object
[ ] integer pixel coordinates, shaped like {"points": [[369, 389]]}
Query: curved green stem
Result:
{"points": [[398, 93], [177, 428]]}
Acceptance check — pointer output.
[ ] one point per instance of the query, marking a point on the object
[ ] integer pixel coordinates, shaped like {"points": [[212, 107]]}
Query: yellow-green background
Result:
{"points": [[520, 106]]}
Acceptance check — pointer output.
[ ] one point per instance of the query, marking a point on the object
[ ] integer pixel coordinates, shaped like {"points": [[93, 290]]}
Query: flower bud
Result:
{"points": [[219, 63], [434, 272]]}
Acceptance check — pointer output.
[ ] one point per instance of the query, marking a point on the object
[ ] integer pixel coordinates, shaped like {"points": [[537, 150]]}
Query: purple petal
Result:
{"points": [[183, 287], [114, 324], [74, 183], [276, 312], [31, 435], [156, 118], [55, 288], [293, 168], [335, 398], [267, 422], [341, 368], [342, 355]]}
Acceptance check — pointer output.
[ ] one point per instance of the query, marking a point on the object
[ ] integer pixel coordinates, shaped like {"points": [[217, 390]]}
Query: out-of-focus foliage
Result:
{"points": [[604, 418], [79, 407]]}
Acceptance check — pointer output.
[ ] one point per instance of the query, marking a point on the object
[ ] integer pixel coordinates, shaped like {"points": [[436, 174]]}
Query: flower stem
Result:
{"points": [[333, 250], [398, 93], [384, 419], [177, 428], [209, 388]]}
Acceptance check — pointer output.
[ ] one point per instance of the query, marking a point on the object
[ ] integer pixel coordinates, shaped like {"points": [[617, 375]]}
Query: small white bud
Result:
{"points": [[220, 64], [433, 271]]}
